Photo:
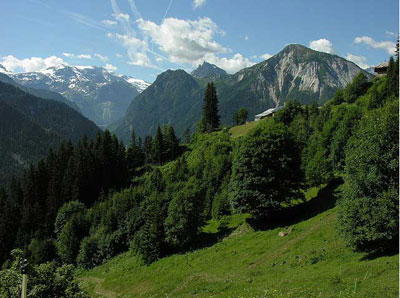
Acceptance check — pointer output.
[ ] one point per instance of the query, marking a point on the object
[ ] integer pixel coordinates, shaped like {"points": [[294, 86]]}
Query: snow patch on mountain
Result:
{"points": [[101, 95], [140, 85]]}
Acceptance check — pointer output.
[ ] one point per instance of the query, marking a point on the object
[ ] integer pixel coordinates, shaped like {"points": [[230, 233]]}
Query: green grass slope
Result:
{"points": [[241, 130], [310, 261]]}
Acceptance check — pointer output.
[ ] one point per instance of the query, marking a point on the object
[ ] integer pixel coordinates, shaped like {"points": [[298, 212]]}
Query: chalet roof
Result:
{"points": [[269, 112], [382, 65]]}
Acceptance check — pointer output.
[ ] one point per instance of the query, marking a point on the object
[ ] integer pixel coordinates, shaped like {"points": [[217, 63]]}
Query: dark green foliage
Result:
{"points": [[369, 209], [165, 145], [7, 219], [393, 77], [135, 156], [158, 147], [221, 204], [287, 115], [172, 149], [186, 136], [265, 171], [71, 227], [241, 116], [325, 152], [149, 241], [185, 216], [339, 97], [357, 88], [45, 280], [42, 251], [210, 120], [65, 213], [211, 162]]}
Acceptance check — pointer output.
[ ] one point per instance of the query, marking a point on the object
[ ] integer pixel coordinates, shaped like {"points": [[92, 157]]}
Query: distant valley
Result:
{"points": [[100, 95]]}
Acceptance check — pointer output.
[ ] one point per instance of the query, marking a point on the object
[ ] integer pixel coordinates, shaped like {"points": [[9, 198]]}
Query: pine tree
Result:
{"points": [[158, 147], [240, 116], [148, 141], [171, 143], [134, 155], [186, 137], [393, 77], [210, 120]]}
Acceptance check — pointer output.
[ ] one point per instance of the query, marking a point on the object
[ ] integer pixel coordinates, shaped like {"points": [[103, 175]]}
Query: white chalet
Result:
{"points": [[267, 113]]}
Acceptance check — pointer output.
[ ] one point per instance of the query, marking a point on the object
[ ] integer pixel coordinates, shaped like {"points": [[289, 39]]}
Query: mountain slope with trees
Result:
{"points": [[157, 199], [31, 126], [296, 73]]}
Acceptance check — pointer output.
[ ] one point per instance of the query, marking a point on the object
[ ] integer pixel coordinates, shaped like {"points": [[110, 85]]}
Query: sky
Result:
{"points": [[142, 38]]}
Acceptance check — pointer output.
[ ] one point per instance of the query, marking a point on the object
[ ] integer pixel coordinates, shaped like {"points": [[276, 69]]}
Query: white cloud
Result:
{"points": [[266, 56], [322, 45], [80, 56], [232, 65], [32, 64], [184, 41], [389, 46], [80, 18], [110, 67], [361, 61], [174, 40], [246, 37], [101, 57], [391, 34], [68, 55], [84, 56], [109, 23], [121, 16], [198, 3], [136, 49], [118, 55]]}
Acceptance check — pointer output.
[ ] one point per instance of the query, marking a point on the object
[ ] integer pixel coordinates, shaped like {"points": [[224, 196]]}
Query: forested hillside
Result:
{"points": [[30, 126], [157, 197]]}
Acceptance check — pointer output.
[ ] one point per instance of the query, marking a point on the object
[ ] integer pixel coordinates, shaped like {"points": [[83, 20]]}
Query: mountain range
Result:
{"points": [[295, 73], [101, 95]]}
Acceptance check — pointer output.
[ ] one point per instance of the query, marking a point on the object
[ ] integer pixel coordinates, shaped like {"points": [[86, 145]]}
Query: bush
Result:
{"points": [[45, 280], [369, 208], [266, 171], [184, 219]]}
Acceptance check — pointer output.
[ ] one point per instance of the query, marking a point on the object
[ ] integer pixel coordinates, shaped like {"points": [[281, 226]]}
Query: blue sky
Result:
{"points": [[143, 38]]}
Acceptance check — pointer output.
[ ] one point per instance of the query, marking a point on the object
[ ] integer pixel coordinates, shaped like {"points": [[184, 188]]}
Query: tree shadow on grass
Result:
{"points": [[380, 253], [325, 200], [209, 239]]}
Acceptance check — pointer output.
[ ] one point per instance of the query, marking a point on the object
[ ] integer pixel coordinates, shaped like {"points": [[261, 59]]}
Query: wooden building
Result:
{"points": [[381, 68]]}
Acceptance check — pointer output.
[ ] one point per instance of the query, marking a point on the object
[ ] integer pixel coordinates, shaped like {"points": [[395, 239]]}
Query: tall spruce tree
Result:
{"points": [[157, 147], [393, 77], [135, 155], [210, 120]]}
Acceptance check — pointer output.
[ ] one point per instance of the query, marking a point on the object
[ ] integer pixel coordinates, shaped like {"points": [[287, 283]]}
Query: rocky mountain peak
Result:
{"points": [[208, 70]]}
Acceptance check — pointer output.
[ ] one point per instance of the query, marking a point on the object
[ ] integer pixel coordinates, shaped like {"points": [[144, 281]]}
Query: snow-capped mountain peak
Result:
{"points": [[101, 95], [3, 69], [140, 85]]}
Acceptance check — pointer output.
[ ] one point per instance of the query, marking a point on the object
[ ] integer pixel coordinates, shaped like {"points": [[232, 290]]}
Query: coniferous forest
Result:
{"points": [[89, 201]]}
